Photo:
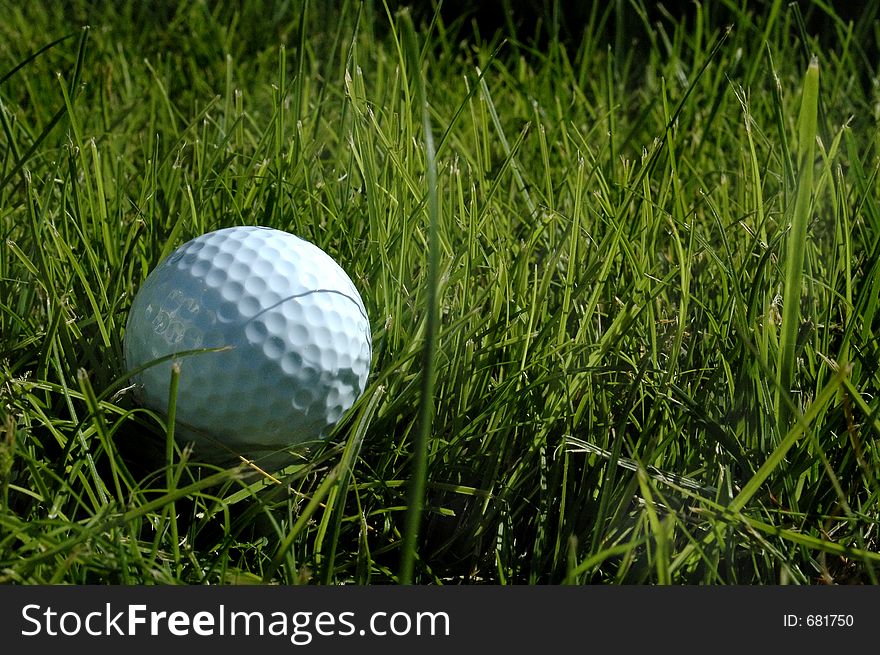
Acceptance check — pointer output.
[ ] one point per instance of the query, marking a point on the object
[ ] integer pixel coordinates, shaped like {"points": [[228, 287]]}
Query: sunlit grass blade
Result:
{"points": [[296, 530], [815, 410], [796, 244]]}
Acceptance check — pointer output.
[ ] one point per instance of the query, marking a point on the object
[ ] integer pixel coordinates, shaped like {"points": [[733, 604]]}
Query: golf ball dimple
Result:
{"points": [[292, 328]]}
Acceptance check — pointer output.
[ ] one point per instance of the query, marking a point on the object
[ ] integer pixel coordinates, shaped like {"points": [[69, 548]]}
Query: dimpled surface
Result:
{"points": [[297, 332]]}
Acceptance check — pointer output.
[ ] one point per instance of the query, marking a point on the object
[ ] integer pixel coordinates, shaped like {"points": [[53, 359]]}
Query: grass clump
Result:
{"points": [[650, 310]]}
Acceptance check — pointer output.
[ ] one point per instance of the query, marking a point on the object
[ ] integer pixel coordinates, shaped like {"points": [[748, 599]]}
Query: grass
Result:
{"points": [[624, 298]]}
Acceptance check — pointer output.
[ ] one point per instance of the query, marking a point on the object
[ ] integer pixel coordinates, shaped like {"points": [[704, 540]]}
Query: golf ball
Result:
{"points": [[292, 332]]}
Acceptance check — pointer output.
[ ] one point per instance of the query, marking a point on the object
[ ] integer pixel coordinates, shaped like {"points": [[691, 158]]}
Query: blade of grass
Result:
{"points": [[336, 503], [170, 478], [773, 462], [301, 522], [658, 530], [426, 401], [796, 245]]}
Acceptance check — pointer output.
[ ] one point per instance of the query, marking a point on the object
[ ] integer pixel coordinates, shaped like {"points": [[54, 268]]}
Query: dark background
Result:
{"points": [[527, 25]]}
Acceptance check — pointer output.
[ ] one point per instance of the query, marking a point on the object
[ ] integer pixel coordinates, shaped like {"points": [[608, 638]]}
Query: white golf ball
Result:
{"points": [[294, 331]]}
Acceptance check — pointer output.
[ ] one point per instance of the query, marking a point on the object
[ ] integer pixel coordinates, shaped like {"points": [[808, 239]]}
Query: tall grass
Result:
{"points": [[624, 296], [426, 402], [796, 241]]}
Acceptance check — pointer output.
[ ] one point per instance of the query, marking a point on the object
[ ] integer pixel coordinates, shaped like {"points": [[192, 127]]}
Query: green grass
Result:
{"points": [[624, 299]]}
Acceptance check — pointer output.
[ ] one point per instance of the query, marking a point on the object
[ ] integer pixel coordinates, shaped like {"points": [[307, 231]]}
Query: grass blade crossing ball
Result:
{"points": [[294, 333]]}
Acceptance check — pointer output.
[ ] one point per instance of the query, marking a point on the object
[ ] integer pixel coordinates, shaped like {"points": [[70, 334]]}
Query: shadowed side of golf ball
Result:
{"points": [[295, 333]]}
